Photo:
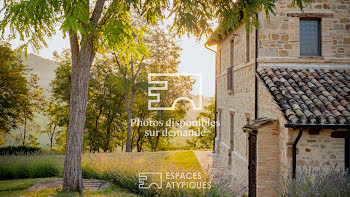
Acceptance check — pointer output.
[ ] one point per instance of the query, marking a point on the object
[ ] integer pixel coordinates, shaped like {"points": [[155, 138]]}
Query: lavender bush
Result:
{"points": [[322, 182], [226, 186]]}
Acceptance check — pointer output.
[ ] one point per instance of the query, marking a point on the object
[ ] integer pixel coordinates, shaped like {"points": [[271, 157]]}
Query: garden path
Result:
{"points": [[219, 171]]}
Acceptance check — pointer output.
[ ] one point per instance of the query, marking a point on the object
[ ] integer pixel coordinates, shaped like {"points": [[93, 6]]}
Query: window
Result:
{"points": [[232, 51], [232, 114], [219, 133], [247, 137], [310, 37], [247, 47], [232, 131], [347, 153], [229, 79], [229, 70]]}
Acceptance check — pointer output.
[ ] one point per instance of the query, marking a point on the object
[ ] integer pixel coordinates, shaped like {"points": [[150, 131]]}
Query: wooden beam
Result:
{"points": [[311, 15], [341, 134], [314, 131]]}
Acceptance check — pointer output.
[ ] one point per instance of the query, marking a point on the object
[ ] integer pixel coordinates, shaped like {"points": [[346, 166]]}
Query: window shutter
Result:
{"points": [[247, 43], [310, 37], [232, 53], [229, 79]]}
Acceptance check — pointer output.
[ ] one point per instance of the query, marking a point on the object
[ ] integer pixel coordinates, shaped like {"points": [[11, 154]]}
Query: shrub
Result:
{"points": [[22, 171], [7, 173], [311, 182], [20, 150], [89, 173], [43, 169]]}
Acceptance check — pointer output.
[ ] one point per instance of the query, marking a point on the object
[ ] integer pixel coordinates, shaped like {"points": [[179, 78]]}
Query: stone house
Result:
{"points": [[283, 94]]}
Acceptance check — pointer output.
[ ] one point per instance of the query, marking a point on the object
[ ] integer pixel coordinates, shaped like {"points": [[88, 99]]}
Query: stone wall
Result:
{"points": [[240, 102], [267, 159], [320, 151], [279, 36], [267, 107]]}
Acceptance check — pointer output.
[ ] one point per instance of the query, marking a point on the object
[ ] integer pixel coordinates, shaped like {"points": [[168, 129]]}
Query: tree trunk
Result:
{"points": [[24, 131], [122, 145], [82, 58], [129, 104], [138, 144], [92, 140], [108, 137], [128, 133], [156, 145], [81, 63], [139, 139], [157, 139], [52, 135], [129, 107]]}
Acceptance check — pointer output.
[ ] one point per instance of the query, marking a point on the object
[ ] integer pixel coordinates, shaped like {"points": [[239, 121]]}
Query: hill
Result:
{"points": [[191, 115], [44, 68]]}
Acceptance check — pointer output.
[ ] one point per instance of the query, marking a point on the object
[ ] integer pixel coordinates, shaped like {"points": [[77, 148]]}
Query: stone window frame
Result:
{"points": [[319, 16]]}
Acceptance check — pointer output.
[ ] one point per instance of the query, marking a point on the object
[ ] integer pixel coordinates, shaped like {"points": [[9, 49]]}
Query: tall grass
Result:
{"points": [[35, 166], [121, 169], [124, 171]]}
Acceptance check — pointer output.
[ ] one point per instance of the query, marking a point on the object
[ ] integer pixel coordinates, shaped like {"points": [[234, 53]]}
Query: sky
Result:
{"points": [[194, 57]]}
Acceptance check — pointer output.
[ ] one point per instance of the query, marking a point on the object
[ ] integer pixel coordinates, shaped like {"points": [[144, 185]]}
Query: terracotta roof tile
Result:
{"points": [[310, 96]]}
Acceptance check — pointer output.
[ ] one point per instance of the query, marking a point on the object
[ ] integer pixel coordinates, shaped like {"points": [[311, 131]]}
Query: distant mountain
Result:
{"points": [[45, 68], [191, 115]]}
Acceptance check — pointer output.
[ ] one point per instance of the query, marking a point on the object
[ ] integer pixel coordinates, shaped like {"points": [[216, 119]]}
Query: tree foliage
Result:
{"points": [[105, 128], [35, 19], [13, 90], [34, 106], [205, 141]]}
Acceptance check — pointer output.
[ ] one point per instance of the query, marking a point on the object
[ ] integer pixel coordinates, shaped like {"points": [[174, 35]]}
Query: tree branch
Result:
{"points": [[119, 66], [140, 66], [96, 14], [112, 8]]}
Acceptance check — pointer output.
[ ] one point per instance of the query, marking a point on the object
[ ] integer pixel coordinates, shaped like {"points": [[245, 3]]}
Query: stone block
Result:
{"points": [[346, 41], [338, 27], [268, 52]]}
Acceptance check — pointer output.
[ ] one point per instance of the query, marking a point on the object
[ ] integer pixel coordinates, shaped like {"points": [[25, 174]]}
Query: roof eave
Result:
{"points": [[211, 42], [320, 126]]}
